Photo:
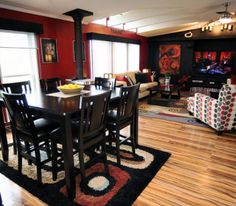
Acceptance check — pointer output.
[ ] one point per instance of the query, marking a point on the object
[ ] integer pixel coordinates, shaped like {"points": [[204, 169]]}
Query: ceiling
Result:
{"points": [[146, 17]]}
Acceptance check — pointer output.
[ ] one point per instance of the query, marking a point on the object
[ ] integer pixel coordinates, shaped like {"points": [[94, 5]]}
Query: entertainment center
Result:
{"points": [[208, 81], [207, 84]]}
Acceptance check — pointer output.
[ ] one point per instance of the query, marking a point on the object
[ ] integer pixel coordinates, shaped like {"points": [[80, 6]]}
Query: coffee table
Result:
{"points": [[168, 89]]}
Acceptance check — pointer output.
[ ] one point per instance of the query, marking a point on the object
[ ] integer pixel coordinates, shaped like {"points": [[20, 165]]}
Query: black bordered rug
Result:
{"points": [[121, 187]]}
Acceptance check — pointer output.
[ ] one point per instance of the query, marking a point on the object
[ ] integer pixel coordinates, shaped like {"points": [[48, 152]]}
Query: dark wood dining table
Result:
{"points": [[61, 110]]}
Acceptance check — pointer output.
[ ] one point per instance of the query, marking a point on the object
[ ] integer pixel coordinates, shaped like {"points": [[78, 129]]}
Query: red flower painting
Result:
{"points": [[169, 58]]}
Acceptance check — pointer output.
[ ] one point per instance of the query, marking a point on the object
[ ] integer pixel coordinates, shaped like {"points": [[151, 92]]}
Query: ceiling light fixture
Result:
{"points": [[225, 19], [226, 16], [225, 27]]}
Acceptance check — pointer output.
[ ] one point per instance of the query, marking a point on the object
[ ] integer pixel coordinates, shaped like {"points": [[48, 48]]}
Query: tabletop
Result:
{"points": [[163, 88], [57, 105]]}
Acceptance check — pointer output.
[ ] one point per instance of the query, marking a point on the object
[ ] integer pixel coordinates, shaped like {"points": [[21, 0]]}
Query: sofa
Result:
{"points": [[130, 78], [217, 113]]}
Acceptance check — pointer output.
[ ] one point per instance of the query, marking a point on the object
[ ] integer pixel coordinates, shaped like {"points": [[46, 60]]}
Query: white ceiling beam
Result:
{"points": [[165, 25]]}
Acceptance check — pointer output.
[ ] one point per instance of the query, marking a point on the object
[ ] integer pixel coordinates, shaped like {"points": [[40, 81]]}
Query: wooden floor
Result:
{"points": [[201, 170], [14, 195]]}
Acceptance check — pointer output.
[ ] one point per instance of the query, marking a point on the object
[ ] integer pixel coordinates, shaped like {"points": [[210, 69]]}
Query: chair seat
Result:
{"points": [[57, 135], [112, 115], [112, 120], [44, 126]]}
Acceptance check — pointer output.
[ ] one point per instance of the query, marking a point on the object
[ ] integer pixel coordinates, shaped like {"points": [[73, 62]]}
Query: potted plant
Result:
{"points": [[167, 78]]}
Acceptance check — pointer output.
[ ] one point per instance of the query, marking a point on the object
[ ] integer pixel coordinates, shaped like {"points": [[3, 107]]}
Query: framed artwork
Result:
{"points": [[83, 50], [206, 55], [49, 50], [226, 56], [169, 58]]}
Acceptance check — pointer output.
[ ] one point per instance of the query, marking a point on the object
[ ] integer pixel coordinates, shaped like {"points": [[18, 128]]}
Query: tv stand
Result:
{"points": [[208, 81]]}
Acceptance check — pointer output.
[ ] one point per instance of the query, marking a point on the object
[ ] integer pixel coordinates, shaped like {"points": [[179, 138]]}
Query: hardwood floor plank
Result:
{"points": [[14, 195]]}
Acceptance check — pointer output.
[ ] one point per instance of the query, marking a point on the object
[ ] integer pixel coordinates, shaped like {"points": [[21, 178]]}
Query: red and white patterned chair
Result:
{"points": [[190, 105], [219, 113]]}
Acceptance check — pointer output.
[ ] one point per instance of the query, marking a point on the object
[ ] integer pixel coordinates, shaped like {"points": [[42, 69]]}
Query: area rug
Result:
{"points": [[176, 111], [121, 187]]}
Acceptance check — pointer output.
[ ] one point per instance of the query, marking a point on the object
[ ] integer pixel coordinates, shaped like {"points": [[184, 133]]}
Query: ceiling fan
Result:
{"points": [[226, 16]]}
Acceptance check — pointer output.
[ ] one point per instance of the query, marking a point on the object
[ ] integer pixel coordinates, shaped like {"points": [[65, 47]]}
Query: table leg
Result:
{"points": [[150, 96], [136, 126], [170, 95], [68, 156], [178, 90], [3, 137]]}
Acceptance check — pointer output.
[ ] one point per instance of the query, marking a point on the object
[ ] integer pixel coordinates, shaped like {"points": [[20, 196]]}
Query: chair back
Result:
{"points": [[17, 87], [50, 85], [108, 75], [227, 92], [93, 115], [53, 83], [227, 106], [105, 82], [128, 102], [19, 112], [43, 85]]}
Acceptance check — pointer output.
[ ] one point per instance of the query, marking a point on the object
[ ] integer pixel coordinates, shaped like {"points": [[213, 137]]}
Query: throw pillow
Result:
{"points": [[123, 79], [141, 77], [120, 78], [129, 80], [149, 76]]}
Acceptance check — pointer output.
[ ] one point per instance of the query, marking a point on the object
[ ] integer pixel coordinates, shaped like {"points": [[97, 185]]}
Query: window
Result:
{"points": [[100, 57], [18, 57], [113, 57]]}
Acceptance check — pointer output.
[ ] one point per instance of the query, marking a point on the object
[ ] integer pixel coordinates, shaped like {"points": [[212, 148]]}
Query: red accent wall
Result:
{"points": [[63, 32]]}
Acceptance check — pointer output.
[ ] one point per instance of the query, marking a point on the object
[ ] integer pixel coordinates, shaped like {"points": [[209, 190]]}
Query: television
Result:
{"points": [[213, 63]]}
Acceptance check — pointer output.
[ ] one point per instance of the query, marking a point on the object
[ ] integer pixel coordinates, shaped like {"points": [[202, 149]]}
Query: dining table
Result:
{"points": [[60, 108]]}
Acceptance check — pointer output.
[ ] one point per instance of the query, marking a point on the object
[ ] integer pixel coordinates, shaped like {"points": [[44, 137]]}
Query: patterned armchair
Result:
{"points": [[190, 105], [217, 113]]}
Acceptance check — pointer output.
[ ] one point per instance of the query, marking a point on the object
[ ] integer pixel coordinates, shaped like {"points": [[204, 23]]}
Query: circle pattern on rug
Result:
{"points": [[98, 184], [141, 160]]}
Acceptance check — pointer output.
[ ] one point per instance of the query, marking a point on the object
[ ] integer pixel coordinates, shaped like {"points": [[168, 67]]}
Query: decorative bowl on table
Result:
{"points": [[70, 88]]}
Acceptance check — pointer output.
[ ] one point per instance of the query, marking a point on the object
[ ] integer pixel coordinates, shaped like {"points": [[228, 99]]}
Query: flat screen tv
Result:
{"points": [[213, 63]]}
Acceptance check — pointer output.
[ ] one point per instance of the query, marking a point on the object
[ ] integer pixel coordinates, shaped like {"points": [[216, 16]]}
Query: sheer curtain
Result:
{"points": [[18, 57], [133, 57], [100, 53], [119, 57], [113, 57]]}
